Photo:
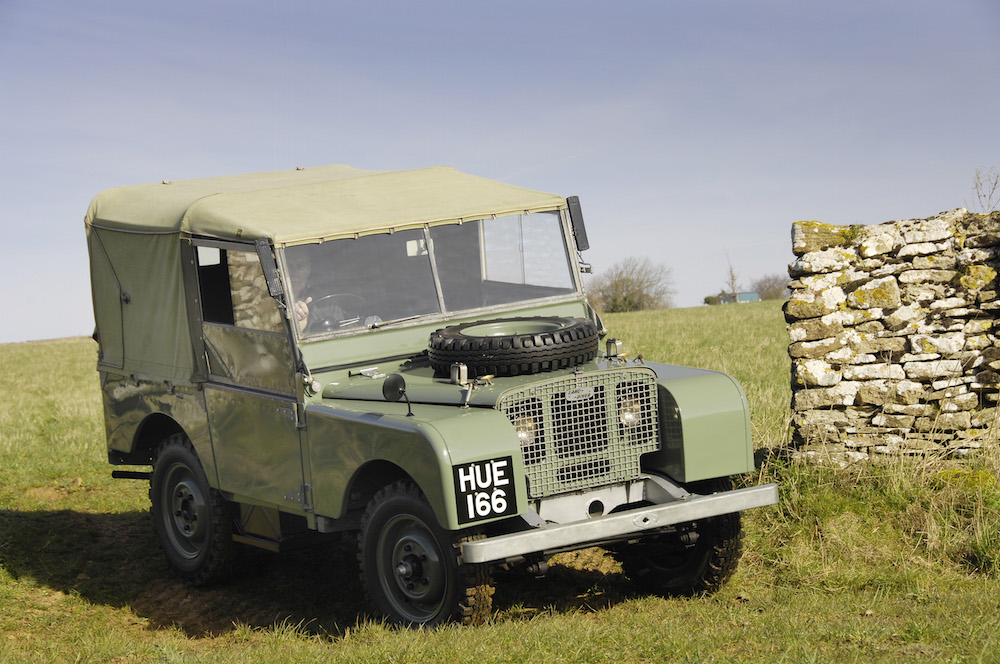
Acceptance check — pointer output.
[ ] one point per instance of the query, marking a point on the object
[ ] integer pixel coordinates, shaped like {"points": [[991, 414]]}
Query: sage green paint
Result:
{"points": [[345, 436], [131, 403], [714, 419], [256, 443]]}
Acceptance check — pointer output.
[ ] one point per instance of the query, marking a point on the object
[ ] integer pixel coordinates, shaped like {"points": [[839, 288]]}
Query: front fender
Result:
{"points": [[345, 435], [704, 425]]}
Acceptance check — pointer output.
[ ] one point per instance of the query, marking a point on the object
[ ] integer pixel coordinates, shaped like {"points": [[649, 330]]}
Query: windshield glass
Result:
{"points": [[376, 279]]}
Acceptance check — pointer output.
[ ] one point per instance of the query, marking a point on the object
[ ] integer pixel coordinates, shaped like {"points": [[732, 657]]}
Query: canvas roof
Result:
{"points": [[311, 204]]}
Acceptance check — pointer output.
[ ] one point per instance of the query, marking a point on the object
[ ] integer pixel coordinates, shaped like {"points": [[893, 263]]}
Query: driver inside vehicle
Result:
{"points": [[298, 272]]}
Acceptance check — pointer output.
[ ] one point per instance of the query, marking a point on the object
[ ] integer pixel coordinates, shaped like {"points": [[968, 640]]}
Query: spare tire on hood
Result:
{"points": [[514, 346]]}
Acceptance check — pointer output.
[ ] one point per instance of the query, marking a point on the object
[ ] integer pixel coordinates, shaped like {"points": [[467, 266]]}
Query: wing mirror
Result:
{"points": [[394, 389]]}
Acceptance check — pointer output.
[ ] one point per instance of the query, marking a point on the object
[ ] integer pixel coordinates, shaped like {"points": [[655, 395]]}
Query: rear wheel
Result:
{"points": [[191, 519], [411, 567], [671, 564]]}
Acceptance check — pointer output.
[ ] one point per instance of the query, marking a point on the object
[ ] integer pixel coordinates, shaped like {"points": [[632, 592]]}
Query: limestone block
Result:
{"points": [[850, 317], [874, 393], [841, 394], [878, 293], [947, 392], [903, 316], [813, 329], [947, 303], [922, 293], [977, 224], [946, 344], [826, 260], [988, 418], [814, 349], [932, 370], [978, 326], [978, 277], [934, 229], [926, 276], [879, 240], [940, 262], [880, 345], [923, 249], [887, 270], [844, 279], [808, 304], [980, 255], [810, 236], [983, 240], [954, 382], [893, 421], [821, 421], [848, 355], [882, 370], [968, 401], [816, 373], [940, 325], [919, 357], [944, 422], [917, 409], [979, 342]]}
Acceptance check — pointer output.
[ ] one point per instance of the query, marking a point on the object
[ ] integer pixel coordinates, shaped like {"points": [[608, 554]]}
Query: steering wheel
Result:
{"points": [[334, 311]]}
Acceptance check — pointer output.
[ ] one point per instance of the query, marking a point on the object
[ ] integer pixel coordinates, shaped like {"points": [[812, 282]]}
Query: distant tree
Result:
{"points": [[986, 185], [633, 284], [771, 287], [732, 280]]}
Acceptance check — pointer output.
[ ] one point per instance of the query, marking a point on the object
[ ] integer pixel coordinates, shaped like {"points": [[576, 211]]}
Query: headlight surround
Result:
{"points": [[526, 429], [630, 413]]}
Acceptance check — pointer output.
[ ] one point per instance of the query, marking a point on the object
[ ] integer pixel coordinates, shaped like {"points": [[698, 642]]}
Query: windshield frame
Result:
{"points": [[568, 251]]}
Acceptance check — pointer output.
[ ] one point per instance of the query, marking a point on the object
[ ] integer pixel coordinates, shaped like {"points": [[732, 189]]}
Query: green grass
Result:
{"points": [[894, 561]]}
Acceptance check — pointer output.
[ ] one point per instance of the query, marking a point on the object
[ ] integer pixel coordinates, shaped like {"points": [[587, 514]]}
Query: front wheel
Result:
{"points": [[411, 567], [671, 564], [191, 520]]}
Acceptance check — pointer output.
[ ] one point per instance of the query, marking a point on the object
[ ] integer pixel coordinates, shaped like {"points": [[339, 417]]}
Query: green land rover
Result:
{"points": [[408, 356]]}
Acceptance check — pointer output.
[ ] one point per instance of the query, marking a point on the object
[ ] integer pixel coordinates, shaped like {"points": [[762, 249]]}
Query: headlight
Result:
{"points": [[630, 413], [525, 428]]}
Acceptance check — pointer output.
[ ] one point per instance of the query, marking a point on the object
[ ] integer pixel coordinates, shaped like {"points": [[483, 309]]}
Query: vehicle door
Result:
{"points": [[250, 394]]}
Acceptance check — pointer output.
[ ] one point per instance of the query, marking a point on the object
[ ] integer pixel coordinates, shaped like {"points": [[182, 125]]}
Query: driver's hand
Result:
{"points": [[302, 308]]}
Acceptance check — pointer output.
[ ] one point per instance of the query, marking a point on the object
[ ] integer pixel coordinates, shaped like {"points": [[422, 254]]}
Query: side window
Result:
{"points": [[234, 290], [213, 284], [253, 306]]}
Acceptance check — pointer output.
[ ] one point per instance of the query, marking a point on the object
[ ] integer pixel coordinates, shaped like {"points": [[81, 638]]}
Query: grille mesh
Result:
{"points": [[578, 435]]}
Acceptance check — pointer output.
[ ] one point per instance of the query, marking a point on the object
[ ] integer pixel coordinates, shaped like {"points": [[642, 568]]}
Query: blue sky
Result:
{"points": [[695, 133]]}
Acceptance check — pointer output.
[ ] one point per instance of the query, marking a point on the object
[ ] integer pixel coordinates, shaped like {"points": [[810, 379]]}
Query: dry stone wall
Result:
{"points": [[893, 336]]}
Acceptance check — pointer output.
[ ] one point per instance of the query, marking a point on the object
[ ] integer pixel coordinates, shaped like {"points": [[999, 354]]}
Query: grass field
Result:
{"points": [[896, 561]]}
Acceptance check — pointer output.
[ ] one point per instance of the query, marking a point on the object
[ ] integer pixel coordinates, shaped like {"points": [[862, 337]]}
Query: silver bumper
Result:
{"points": [[552, 537]]}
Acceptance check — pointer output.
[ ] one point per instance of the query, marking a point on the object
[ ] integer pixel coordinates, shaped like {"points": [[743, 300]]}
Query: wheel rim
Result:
{"points": [[186, 516], [411, 568]]}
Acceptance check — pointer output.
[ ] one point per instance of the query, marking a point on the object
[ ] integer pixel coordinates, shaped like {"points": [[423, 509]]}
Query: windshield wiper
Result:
{"points": [[374, 325]]}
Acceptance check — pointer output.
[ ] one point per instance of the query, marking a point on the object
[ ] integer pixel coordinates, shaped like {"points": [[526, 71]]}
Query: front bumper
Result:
{"points": [[616, 526]]}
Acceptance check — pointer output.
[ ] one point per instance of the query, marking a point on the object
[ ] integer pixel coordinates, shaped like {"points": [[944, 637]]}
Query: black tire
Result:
{"points": [[665, 565], [411, 567], [192, 520], [514, 346]]}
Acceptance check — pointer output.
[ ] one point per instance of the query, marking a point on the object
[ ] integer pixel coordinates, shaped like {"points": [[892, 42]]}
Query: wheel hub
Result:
{"points": [[186, 529]]}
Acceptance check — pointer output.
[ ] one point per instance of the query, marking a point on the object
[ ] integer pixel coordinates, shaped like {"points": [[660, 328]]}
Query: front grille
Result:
{"points": [[573, 430]]}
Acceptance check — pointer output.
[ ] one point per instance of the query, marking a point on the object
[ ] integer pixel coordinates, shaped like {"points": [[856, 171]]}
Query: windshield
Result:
{"points": [[376, 279]]}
